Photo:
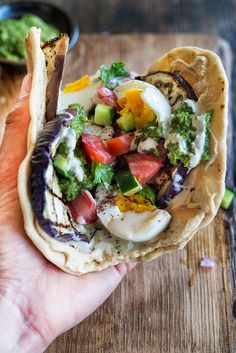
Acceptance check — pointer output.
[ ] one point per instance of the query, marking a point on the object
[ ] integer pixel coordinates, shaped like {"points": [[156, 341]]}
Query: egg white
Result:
{"points": [[150, 95], [131, 226]]}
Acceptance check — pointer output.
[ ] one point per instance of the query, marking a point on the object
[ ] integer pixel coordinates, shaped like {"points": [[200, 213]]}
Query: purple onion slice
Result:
{"points": [[51, 212]]}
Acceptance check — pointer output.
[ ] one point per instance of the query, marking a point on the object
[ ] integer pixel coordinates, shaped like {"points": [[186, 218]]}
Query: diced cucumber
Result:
{"points": [[127, 183], [61, 164], [126, 122], [227, 199], [104, 114]]}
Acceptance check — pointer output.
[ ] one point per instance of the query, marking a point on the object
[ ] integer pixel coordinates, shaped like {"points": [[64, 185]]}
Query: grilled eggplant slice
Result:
{"points": [[172, 85], [52, 213], [171, 186]]}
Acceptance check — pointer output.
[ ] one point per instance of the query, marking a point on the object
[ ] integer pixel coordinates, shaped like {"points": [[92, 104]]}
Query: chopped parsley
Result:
{"points": [[153, 129], [175, 155], [102, 173], [111, 76], [78, 121], [181, 123], [71, 187]]}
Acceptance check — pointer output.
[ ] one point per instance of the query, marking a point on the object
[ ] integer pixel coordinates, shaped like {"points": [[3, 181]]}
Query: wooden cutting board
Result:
{"points": [[170, 305]]}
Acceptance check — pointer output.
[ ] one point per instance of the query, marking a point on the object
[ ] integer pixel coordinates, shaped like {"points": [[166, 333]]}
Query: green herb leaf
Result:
{"points": [[102, 173], [148, 193], [111, 76]]}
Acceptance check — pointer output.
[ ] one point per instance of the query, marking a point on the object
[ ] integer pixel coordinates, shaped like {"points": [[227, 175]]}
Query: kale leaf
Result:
{"points": [[111, 76], [102, 173]]}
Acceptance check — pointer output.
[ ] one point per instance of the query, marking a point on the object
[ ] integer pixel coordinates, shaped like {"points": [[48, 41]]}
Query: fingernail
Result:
{"points": [[25, 86]]}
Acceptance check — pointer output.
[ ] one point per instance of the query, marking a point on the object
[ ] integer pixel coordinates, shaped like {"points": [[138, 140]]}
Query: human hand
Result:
{"points": [[37, 300]]}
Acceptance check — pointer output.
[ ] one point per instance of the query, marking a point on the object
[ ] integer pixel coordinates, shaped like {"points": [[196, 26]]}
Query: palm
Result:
{"points": [[51, 300]]}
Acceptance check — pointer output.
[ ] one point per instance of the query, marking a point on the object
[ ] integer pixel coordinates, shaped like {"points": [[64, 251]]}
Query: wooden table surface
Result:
{"points": [[170, 305]]}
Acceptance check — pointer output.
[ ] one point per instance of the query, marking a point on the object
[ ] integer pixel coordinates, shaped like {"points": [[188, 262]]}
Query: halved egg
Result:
{"points": [[145, 101], [129, 225]]}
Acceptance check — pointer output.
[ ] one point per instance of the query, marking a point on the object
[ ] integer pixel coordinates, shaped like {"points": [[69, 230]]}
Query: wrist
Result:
{"points": [[17, 333]]}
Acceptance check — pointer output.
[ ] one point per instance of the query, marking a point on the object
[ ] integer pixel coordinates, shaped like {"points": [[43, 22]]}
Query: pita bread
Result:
{"points": [[191, 210]]}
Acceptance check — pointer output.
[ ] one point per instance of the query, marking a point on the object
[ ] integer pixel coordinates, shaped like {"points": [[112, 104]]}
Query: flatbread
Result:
{"points": [[191, 210]]}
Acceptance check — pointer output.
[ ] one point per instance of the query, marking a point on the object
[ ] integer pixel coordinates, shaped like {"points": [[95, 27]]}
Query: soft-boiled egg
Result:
{"points": [[84, 96], [129, 225], [132, 92]]}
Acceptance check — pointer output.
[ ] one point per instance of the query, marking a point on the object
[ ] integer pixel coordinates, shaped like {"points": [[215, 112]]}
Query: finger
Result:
{"points": [[18, 119], [13, 148], [96, 287], [87, 293]]}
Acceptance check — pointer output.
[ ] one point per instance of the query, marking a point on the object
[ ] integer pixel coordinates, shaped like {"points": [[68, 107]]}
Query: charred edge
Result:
{"points": [[53, 193], [52, 41], [53, 87], [185, 84]]}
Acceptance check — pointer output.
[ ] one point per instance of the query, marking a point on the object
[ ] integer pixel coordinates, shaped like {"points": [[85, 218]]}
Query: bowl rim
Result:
{"points": [[74, 25]]}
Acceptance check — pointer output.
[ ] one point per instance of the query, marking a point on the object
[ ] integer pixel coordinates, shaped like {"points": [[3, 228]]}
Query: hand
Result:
{"points": [[37, 300]]}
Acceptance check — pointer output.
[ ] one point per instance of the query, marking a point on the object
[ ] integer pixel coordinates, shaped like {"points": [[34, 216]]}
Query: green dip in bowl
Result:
{"points": [[13, 32]]}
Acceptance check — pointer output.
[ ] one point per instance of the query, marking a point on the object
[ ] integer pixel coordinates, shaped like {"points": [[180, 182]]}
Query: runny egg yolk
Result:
{"points": [[77, 85], [135, 203], [132, 103]]}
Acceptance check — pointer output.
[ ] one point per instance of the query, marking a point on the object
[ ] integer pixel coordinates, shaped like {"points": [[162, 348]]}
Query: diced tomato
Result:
{"points": [[108, 97], [143, 166], [83, 208], [95, 149], [120, 145]]}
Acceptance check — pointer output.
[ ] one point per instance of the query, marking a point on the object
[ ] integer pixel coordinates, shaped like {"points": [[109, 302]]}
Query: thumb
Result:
{"points": [[13, 148]]}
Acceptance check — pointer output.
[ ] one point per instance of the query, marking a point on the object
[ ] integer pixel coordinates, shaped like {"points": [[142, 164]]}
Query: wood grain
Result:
{"points": [[169, 305]]}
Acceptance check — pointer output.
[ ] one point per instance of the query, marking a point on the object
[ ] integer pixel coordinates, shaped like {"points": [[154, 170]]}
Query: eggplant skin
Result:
{"points": [[171, 84], [174, 187], [40, 162]]}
